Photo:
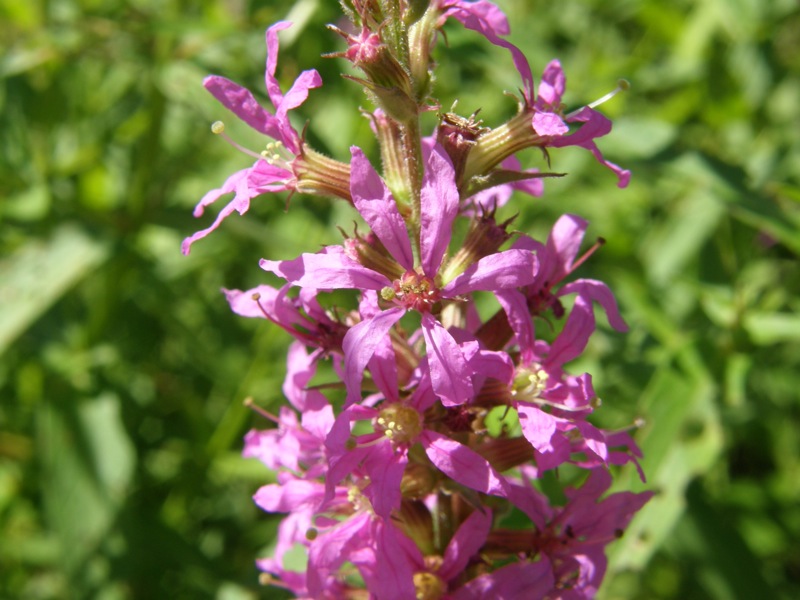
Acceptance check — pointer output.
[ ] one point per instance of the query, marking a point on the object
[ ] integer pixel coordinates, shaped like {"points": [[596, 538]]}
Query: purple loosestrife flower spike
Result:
{"points": [[394, 481]]}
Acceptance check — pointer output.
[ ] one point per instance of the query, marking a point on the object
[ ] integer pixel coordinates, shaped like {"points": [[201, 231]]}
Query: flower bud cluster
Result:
{"points": [[418, 474]]}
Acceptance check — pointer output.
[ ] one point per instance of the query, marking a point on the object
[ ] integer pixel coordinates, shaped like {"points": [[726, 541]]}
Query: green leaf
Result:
{"points": [[40, 273]]}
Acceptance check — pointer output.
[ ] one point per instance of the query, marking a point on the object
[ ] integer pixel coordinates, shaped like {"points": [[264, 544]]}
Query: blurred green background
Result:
{"points": [[122, 371]]}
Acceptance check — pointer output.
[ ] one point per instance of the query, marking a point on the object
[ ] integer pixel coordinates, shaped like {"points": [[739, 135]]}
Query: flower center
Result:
{"points": [[415, 292], [428, 586], [529, 384], [400, 423]]}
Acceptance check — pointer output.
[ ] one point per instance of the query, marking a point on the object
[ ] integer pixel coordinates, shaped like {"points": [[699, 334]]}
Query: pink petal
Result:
{"points": [[273, 45], [594, 125], [468, 540], [330, 269], [449, 370], [241, 102], [597, 291], [515, 306], [289, 496], [385, 467], [516, 580], [439, 208], [507, 269], [594, 438], [552, 84], [298, 93], [463, 464], [547, 123], [376, 204], [573, 338], [538, 427], [333, 547], [359, 345], [563, 245], [487, 12], [473, 22], [243, 304]]}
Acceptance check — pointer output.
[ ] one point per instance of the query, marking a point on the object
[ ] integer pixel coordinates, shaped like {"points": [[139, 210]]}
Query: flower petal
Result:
{"points": [[463, 464], [330, 269], [376, 204], [504, 270], [595, 125], [360, 344], [450, 372], [241, 102], [467, 541], [597, 291], [439, 207]]}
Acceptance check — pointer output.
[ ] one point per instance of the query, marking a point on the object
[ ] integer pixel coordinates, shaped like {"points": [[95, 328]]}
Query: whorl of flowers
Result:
{"points": [[396, 485]]}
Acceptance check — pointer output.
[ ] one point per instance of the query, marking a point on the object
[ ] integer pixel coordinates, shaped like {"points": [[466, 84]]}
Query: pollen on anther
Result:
{"points": [[217, 127]]}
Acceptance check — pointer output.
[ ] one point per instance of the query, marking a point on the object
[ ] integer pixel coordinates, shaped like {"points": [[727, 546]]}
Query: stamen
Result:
{"points": [[276, 154], [581, 259], [623, 85], [250, 403], [257, 299], [218, 128]]}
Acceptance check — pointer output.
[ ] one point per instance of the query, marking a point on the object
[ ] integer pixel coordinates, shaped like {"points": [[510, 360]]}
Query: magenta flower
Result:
{"points": [[557, 259], [297, 446], [548, 122], [398, 424], [417, 288], [574, 536], [264, 176], [302, 317]]}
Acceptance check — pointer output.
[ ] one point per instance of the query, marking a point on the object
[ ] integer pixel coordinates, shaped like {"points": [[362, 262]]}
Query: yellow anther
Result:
{"points": [[217, 127]]}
